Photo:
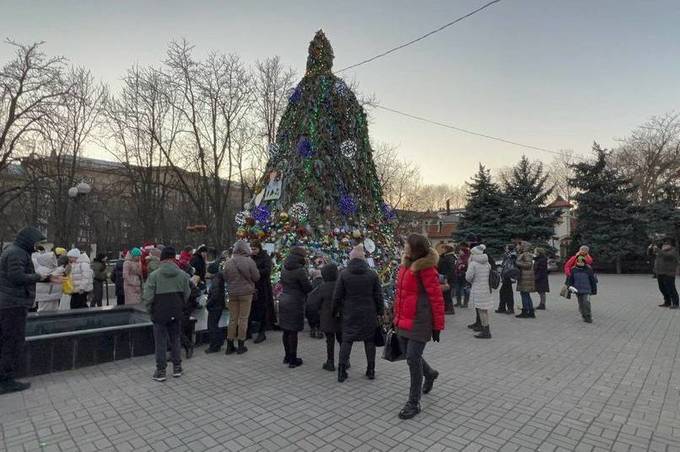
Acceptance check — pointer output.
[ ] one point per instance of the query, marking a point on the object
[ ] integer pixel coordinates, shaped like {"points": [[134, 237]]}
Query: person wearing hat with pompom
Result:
{"points": [[480, 292], [82, 277], [166, 292], [132, 277]]}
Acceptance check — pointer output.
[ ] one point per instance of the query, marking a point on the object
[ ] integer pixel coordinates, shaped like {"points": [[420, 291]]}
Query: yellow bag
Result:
{"points": [[68, 285]]}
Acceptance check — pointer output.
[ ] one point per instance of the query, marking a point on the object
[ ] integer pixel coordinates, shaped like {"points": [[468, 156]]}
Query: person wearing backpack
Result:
{"points": [[478, 273], [509, 274]]}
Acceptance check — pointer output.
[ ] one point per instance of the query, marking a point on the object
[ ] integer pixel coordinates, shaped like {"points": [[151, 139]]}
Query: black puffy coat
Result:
{"points": [[17, 274], [263, 302], [541, 274], [296, 286], [199, 265], [358, 297], [321, 299], [447, 266], [217, 295]]}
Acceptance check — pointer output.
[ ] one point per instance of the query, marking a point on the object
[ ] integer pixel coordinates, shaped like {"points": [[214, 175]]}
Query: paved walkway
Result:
{"points": [[554, 383]]}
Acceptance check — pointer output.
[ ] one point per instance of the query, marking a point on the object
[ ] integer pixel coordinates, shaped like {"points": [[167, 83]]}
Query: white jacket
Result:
{"points": [[82, 274], [46, 264], [478, 275]]}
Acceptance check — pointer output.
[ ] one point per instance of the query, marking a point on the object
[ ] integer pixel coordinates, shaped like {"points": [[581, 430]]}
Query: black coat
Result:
{"points": [[199, 265], [321, 299], [541, 274], [217, 295], [358, 297], [263, 302], [17, 274], [296, 286], [117, 278], [447, 266]]}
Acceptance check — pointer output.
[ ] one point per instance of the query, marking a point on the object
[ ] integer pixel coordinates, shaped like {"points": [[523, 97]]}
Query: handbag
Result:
{"points": [[565, 293], [68, 287], [379, 336], [392, 350]]}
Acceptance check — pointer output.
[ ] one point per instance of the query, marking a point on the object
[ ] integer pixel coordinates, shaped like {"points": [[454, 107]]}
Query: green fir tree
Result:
{"points": [[607, 219], [527, 191], [484, 214]]}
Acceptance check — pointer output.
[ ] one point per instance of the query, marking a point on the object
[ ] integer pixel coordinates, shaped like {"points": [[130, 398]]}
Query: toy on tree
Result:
{"points": [[320, 188]]}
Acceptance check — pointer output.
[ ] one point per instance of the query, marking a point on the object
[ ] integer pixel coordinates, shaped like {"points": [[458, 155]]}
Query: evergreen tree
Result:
{"points": [[484, 214], [661, 216], [607, 220], [528, 218]]}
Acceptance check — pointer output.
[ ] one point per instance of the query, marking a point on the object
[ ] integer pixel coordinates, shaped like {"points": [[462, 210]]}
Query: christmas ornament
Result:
{"points": [[369, 246], [347, 205], [240, 218], [295, 95], [348, 148], [299, 212], [341, 88], [273, 149], [261, 214], [304, 147]]}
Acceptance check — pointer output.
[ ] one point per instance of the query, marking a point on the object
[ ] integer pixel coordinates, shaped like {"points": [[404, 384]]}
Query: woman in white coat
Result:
{"points": [[47, 294], [480, 293], [83, 279]]}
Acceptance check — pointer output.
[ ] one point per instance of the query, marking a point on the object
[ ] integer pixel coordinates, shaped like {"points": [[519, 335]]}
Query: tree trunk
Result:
{"points": [[618, 265]]}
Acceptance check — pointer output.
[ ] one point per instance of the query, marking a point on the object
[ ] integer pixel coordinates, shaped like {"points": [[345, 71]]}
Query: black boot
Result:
{"points": [[475, 326], [230, 347], [523, 315], [329, 366], [260, 337], [370, 372], [294, 362], [11, 385], [241, 348], [541, 307], [484, 334], [409, 411], [429, 382], [342, 373]]}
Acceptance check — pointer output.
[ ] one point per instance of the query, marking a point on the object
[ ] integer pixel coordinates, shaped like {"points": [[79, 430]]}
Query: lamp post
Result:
{"points": [[76, 193]]}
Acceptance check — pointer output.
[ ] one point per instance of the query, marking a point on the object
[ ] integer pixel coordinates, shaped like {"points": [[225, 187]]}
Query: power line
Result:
{"points": [[426, 35], [470, 132]]}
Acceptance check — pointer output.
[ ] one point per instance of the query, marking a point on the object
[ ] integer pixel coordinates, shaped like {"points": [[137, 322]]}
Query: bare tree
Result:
{"points": [[273, 83], [31, 86], [559, 172], [399, 178], [650, 156]]}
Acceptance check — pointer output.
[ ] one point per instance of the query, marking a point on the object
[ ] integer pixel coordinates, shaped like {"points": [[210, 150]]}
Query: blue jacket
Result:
{"points": [[584, 280]]}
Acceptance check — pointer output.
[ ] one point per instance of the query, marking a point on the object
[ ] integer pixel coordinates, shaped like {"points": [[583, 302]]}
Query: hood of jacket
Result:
{"points": [[431, 259], [479, 258], [358, 266], [170, 270], [329, 272], [47, 260], [242, 247], [83, 259], [294, 261], [27, 238]]}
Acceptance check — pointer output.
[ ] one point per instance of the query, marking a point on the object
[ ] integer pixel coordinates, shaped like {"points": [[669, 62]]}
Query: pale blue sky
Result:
{"points": [[555, 74]]}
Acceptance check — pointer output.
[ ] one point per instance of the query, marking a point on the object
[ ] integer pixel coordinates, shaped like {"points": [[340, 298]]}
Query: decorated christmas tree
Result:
{"points": [[320, 188]]}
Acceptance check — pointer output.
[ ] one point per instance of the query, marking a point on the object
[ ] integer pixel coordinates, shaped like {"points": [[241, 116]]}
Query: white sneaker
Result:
{"points": [[573, 289]]}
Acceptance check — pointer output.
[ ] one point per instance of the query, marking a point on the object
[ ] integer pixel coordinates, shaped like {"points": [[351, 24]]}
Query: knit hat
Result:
{"points": [[136, 252], [168, 253], [479, 249], [59, 251], [75, 252], [358, 252], [242, 247]]}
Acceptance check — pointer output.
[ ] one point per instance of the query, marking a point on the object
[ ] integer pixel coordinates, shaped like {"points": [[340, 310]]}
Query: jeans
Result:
{"points": [[417, 366], [584, 305], [668, 289], [290, 343], [12, 336], [330, 345], [239, 312], [527, 303], [346, 350], [216, 336], [161, 333], [462, 291]]}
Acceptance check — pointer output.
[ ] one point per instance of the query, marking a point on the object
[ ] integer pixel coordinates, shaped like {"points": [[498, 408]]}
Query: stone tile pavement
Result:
{"points": [[550, 384]]}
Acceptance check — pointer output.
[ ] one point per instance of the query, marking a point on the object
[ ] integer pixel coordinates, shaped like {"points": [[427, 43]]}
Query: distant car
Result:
{"points": [[553, 265]]}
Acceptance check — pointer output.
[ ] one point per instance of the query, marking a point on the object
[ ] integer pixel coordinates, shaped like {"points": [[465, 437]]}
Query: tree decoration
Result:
{"points": [[304, 147], [299, 212], [388, 212], [348, 148], [261, 214], [273, 149], [240, 218], [295, 95], [347, 205], [341, 88]]}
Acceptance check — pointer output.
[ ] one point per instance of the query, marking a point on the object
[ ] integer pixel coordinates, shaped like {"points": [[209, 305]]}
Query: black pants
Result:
{"points": [[120, 299], [12, 336], [417, 366], [79, 300], [216, 336], [162, 333], [506, 296], [668, 289], [346, 350], [330, 345], [187, 332], [257, 321], [290, 343], [97, 293]]}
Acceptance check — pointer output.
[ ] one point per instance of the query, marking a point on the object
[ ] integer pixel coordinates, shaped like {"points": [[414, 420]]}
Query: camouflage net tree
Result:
{"points": [[320, 188]]}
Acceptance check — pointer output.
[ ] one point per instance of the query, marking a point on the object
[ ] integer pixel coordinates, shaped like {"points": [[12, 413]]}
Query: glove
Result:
{"points": [[435, 335]]}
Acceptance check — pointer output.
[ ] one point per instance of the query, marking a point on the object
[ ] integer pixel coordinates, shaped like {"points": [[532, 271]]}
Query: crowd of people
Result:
{"points": [[342, 303]]}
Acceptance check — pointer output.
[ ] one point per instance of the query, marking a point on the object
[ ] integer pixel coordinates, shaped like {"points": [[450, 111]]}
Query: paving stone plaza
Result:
{"points": [[554, 383]]}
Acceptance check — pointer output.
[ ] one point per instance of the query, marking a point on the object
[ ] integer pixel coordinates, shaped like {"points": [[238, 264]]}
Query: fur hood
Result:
{"points": [[429, 260]]}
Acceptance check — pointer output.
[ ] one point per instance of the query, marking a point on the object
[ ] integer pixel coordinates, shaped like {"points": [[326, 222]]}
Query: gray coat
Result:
{"points": [[17, 274], [358, 297], [478, 275], [296, 286]]}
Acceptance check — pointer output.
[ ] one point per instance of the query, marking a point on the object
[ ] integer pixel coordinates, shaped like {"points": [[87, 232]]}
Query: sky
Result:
{"points": [[549, 73]]}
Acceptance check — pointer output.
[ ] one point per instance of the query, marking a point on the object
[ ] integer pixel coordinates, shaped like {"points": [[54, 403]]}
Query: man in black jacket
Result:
{"points": [[17, 294]]}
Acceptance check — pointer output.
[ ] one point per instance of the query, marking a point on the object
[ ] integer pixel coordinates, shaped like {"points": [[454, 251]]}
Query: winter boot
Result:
{"points": [[484, 334], [241, 348], [294, 362], [477, 326], [429, 382], [409, 411], [342, 373], [370, 371], [541, 307], [523, 315], [260, 338], [329, 366], [11, 385], [230, 347]]}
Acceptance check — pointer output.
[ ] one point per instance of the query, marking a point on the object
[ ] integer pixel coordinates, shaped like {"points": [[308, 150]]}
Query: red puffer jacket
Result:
{"points": [[408, 288]]}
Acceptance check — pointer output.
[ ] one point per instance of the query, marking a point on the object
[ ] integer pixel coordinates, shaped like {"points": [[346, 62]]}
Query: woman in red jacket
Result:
{"points": [[418, 315]]}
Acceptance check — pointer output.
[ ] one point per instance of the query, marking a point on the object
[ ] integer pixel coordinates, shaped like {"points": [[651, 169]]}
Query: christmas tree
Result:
{"points": [[320, 188]]}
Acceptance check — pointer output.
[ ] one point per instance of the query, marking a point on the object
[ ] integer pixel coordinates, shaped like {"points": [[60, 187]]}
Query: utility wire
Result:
{"points": [[470, 132], [426, 35]]}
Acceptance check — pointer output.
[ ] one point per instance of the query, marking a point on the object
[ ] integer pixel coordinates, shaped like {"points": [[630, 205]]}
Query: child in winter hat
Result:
{"points": [[75, 252]]}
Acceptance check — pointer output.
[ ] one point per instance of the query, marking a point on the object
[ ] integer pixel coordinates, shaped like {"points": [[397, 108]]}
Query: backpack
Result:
{"points": [[510, 270], [494, 279]]}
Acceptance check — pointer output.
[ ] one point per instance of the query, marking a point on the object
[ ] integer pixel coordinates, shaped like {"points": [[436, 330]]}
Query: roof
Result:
{"points": [[560, 203], [446, 232]]}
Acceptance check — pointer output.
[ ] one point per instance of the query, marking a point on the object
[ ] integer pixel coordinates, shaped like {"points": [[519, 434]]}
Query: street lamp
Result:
{"points": [[75, 193]]}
